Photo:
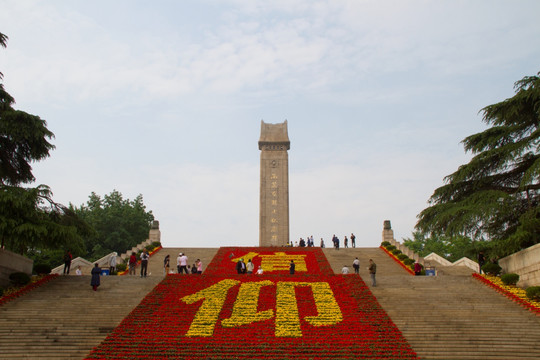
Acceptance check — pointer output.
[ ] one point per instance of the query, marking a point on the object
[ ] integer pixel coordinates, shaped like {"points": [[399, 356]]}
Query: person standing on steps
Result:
{"points": [[166, 264], [144, 262], [250, 267], [95, 280], [241, 267], [67, 262], [199, 266], [112, 263], [353, 240], [292, 267], [183, 264], [356, 266], [345, 270], [481, 261], [346, 242], [372, 271]]}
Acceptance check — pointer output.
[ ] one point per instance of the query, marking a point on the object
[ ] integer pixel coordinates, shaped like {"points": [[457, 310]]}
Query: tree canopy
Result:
{"points": [[29, 218], [452, 249], [495, 197], [118, 223]]}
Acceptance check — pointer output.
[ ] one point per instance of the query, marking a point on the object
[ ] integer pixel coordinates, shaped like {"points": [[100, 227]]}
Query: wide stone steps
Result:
{"points": [[448, 317], [451, 316]]}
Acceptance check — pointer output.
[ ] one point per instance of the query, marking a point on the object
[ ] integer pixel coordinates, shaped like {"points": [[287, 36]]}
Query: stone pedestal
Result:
{"points": [[274, 192]]}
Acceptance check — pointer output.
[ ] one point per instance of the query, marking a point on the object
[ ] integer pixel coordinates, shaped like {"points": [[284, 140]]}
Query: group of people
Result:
{"points": [[243, 268], [182, 265], [335, 241], [372, 268]]}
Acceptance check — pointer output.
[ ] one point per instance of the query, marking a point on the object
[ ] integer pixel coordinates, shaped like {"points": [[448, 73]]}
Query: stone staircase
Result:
{"points": [[449, 317], [65, 319]]}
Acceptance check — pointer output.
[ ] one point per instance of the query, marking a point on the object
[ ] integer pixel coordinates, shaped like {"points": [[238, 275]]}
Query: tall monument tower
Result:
{"points": [[274, 202]]}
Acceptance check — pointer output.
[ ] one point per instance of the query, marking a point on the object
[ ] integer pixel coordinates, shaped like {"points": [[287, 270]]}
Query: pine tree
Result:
{"points": [[495, 196]]}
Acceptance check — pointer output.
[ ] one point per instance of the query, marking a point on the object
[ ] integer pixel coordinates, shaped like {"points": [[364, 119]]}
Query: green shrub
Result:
{"points": [[390, 247], [156, 244], [396, 252], [42, 269], [19, 278], [121, 267], [510, 279], [491, 268], [385, 243], [533, 293], [402, 257], [408, 262]]}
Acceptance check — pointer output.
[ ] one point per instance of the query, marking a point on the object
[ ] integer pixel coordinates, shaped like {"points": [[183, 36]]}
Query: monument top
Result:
{"points": [[274, 133]]}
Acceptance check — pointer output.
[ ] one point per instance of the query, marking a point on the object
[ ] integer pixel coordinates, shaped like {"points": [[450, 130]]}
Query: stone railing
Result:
{"points": [[464, 261], [388, 235]]}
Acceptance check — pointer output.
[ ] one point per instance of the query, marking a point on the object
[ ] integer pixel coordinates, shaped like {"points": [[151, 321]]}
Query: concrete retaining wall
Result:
{"points": [[10, 263], [525, 263]]}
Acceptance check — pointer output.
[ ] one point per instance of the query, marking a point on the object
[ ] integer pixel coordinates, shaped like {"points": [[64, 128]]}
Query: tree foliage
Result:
{"points": [[450, 248], [119, 223], [29, 218], [495, 196]]}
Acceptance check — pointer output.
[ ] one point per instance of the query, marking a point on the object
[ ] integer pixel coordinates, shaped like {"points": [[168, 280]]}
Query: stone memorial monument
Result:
{"points": [[274, 202]]}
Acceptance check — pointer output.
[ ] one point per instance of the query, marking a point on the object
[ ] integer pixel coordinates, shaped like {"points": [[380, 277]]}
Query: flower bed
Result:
{"points": [[275, 261], [23, 290], [220, 314], [512, 292], [407, 268]]}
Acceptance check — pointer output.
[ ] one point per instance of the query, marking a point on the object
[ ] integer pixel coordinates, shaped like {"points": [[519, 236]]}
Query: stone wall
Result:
{"points": [[10, 263], [525, 263]]}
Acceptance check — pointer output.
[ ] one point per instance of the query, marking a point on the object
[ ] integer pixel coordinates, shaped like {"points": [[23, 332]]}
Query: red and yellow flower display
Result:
{"points": [[8, 296], [512, 292], [312, 314]]}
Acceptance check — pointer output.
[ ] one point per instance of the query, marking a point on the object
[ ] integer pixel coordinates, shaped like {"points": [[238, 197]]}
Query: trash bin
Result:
{"points": [[430, 271], [105, 272]]}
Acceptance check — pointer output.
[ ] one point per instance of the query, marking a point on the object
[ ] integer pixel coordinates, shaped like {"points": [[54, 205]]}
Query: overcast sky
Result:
{"points": [[165, 99]]}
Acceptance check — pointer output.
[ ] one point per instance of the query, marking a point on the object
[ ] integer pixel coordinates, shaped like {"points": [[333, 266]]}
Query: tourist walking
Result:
{"points": [[144, 262], [292, 267], [356, 266], [372, 271], [132, 263], [95, 280], [166, 264], [353, 240]]}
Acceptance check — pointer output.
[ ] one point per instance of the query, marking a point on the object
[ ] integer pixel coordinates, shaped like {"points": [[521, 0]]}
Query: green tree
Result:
{"points": [[451, 248], [29, 218], [119, 223], [495, 196]]}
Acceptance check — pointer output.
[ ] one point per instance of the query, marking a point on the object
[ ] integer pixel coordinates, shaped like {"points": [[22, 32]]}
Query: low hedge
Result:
{"points": [[121, 267], [533, 293], [491, 268], [385, 243], [408, 262], [402, 257], [390, 248], [19, 278], [396, 252], [510, 279], [42, 269]]}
